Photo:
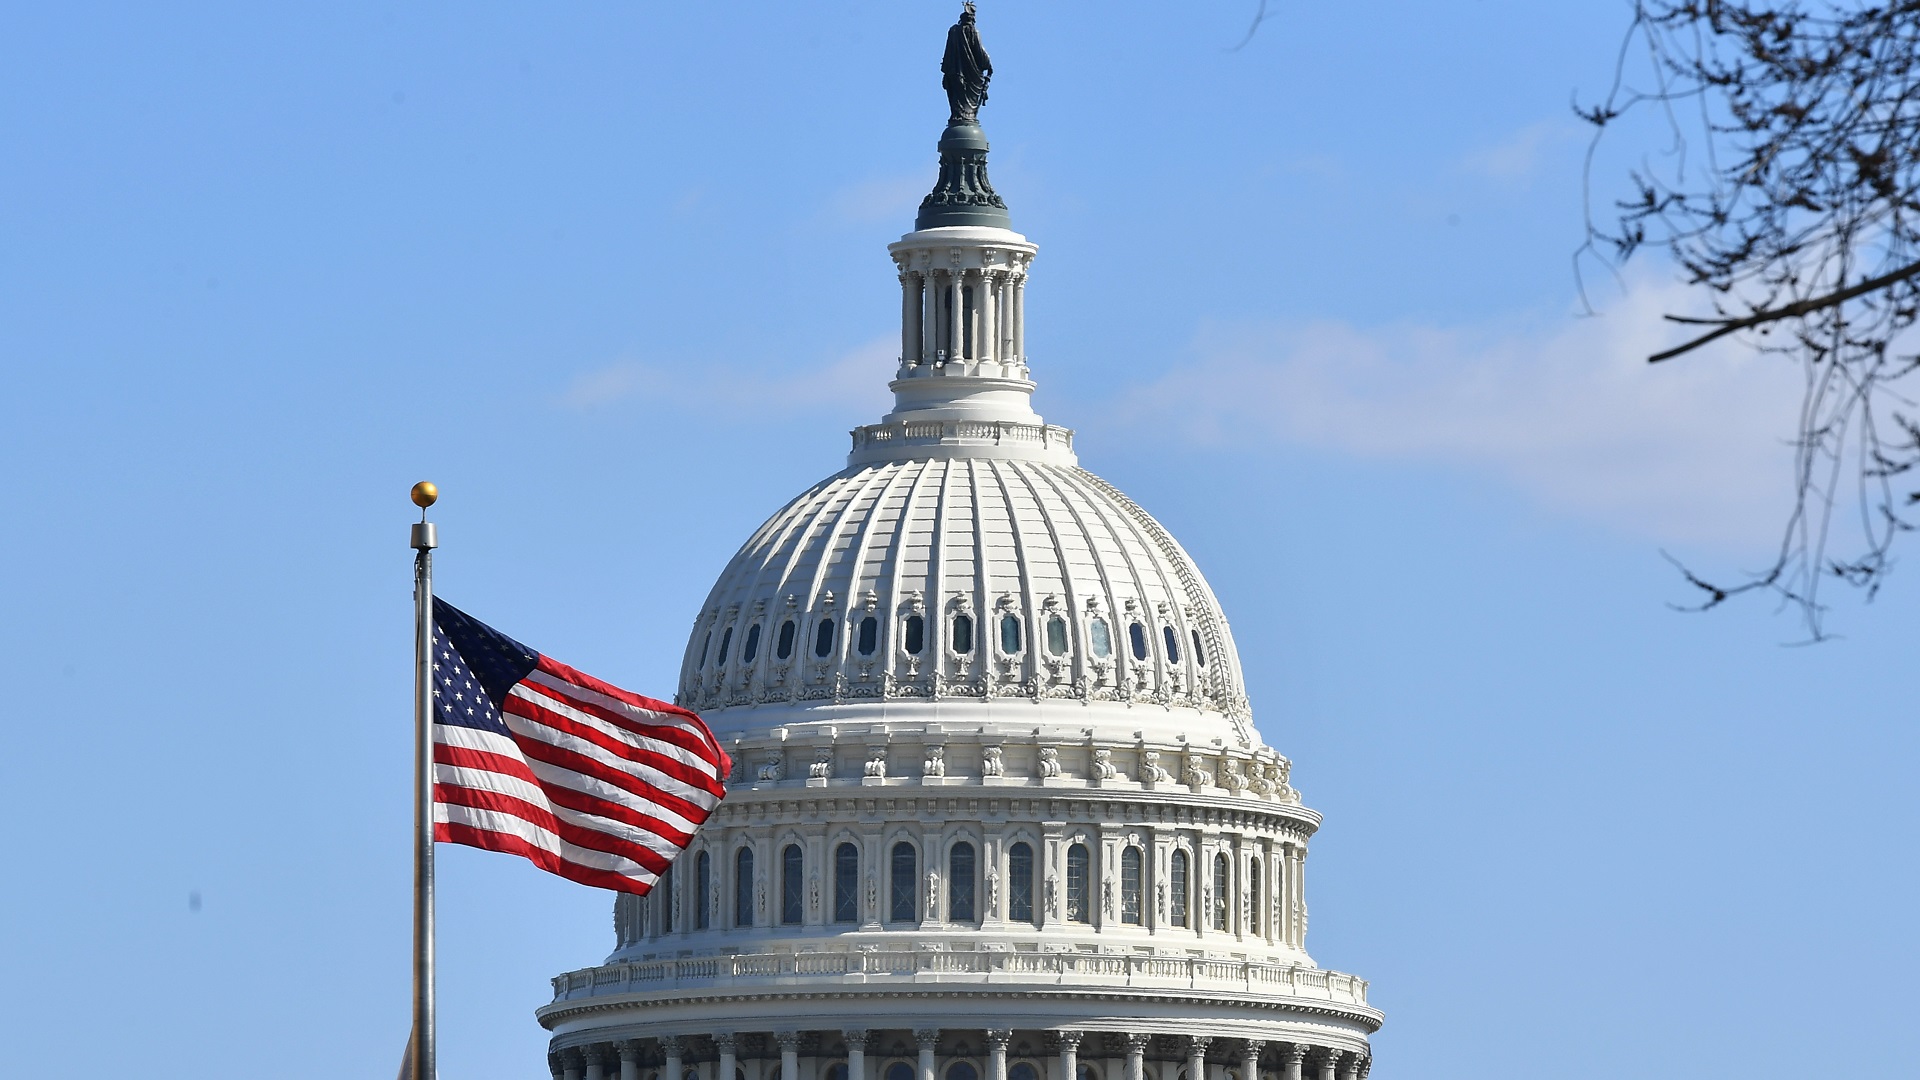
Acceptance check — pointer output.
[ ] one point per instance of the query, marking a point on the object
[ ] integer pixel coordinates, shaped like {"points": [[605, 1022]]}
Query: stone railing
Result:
{"points": [[884, 437], [756, 970]]}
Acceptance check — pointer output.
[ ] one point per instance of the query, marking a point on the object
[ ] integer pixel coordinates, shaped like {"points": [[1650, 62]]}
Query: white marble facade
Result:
{"points": [[999, 810]]}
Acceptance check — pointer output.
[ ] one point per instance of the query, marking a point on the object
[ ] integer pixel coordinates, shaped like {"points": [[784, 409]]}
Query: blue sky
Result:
{"points": [[614, 275]]}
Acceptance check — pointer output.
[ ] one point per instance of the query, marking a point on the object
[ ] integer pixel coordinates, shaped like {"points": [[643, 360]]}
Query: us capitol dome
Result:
{"points": [[999, 809]]}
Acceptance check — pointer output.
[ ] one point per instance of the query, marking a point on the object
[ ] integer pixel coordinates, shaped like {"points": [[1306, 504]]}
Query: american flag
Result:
{"points": [[533, 758]]}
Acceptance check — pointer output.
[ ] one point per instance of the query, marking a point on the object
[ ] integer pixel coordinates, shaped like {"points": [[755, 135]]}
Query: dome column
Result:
{"points": [[1290, 1060], [1069, 1055], [997, 1040], [1197, 1057], [910, 307], [725, 1041], [929, 1039], [789, 1042], [671, 1044], [1137, 1055], [857, 1053], [989, 335], [1250, 1059]]}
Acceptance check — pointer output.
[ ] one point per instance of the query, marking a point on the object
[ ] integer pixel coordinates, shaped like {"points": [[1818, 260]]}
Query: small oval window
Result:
{"points": [[726, 642], [1138, 635], [706, 643], [1102, 638], [916, 635], [752, 648], [1009, 633], [1199, 650], [963, 634], [869, 635], [1057, 636], [783, 648], [1173, 644], [823, 639]]}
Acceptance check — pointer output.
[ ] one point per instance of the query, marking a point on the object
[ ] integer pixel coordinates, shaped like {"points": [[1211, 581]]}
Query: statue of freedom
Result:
{"points": [[966, 70]]}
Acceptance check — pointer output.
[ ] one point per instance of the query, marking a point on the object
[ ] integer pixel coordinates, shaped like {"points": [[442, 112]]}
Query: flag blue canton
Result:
{"points": [[474, 666]]}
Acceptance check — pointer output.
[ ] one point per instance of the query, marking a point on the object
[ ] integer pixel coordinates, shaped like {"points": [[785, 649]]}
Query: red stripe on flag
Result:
{"points": [[540, 818], [455, 833], [576, 762], [694, 729], [532, 709]]}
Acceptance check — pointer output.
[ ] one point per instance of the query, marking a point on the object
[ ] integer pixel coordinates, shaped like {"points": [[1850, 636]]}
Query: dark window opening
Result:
{"points": [[1199, 650], [792, 885], [823, 639], [963, 634], [1079, 884], [702, 889], [706, 643], [1009, 634], [1020, 883], [846, 884], [904, 887], [869, 635], [726, 642], [1220, 872], [752, 647], [783, 648], [743, 888], [1101, 637], [663, 888], [1057, 636], [916, 635], [1131, 873], [960, 883], [1137, 634], [1177, 886]]}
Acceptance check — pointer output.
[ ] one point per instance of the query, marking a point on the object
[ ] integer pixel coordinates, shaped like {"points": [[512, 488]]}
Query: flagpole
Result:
{"points": [[423, 541]]}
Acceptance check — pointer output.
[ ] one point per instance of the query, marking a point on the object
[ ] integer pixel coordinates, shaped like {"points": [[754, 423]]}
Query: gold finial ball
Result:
{"points": [[425, 494]]}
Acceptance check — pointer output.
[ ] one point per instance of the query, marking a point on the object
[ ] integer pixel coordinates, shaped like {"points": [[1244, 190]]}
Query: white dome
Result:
{"points": [[925, 587]]}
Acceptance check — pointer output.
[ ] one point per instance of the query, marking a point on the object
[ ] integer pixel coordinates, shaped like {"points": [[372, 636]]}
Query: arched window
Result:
{"points": [[899, 1070], [752, 647], [1101, 638], [963, 634], [1079, 884], [903, 888], [664, 888], [1199, 650], [846, 884], [962, 1070], [1221, 875], [702, 889], [869, 635], [1173, 644], [1023, 1071], [783, 647], [1087, 1072], [792, 885], [1057, 635], [726, 642], [916, 635], [1009, 634], [1177, 887], [743, 888], [1137, 634], [836, 1071], [1253, 897], [823, 639], [705, 644], [960, 883], [1130, 875], [1020, 885]]}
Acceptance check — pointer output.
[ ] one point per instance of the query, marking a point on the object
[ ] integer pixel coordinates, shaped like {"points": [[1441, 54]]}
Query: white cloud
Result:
{"points": [[1516, 157], [855, 381], [1567, 409]]}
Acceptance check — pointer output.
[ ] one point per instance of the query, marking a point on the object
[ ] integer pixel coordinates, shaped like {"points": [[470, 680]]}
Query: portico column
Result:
{"points": [[909, 307], [570, 1062], [997, 1040], [856, 1053], [789, 1054], [1350, 1067], [989, 328], [953, 314], [928, 312], [725, 1041], [671, 1045], [1069, 1055], [929, 1039], [556, 1064], [1137, 1055], [1197, 1057], [596, 1062], [1251, 1059], [1290, 1060], [630, 1057], [1329, 1064], [1020, 317]]}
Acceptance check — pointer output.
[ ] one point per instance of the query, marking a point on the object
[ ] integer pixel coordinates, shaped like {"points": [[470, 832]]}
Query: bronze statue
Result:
{"points": [[966, 70]]}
